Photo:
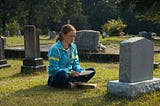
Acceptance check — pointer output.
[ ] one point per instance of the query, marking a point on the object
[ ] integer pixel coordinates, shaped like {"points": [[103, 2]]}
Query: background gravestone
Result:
{"points": [[3, 61], [52, 34], [87, 40], [136, 69], [32, 61]]}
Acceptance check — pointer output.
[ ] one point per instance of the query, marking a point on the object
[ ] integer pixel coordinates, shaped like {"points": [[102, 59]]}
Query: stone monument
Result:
{"points": [[32, 61], [3, 61], [52, 34], [88, 40], [136, 69]]}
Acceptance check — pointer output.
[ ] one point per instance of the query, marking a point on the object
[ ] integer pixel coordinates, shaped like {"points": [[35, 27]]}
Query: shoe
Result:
{"points": [[85, 85], [71, 85]]}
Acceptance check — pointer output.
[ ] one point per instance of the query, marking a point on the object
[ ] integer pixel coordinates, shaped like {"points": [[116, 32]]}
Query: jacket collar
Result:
{"points": [[60, 46]]}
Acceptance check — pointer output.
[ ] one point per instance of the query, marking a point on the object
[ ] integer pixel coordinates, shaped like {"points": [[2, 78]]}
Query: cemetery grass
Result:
{"points": [[117, 39], [19, 41], [108, 41], [32, 90]]}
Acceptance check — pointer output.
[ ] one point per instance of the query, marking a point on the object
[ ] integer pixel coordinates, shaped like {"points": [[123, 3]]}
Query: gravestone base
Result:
{"points": [[31, 65], [132, 90], [3, 63]]}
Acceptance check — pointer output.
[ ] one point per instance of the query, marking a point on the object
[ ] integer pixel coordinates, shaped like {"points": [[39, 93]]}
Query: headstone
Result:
{"points": [[3, 61], [87, 40], [136, 69], [145, 34], [19, 34], [32, 61], [4, 41], [104, 34], [7, 33], [52, 34], [136, 60]]}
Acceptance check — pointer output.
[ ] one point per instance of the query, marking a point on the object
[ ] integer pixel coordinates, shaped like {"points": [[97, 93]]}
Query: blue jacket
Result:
{"points": [[60, 60]]}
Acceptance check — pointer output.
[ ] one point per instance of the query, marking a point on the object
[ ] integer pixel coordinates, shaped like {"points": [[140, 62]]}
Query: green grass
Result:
{"points": [[112, 40], [117, 40], [19, 41], [18, 89]]}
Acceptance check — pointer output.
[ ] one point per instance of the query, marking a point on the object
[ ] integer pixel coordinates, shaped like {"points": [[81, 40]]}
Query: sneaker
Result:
{"points": [[71, 85], [85, 85]]}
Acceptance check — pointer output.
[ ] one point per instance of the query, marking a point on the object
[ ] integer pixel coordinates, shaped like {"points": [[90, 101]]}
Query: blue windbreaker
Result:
{"points": [[60, 60]]}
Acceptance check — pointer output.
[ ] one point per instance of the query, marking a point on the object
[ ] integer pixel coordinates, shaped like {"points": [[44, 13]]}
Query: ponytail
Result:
{"points": [[59, 37]]}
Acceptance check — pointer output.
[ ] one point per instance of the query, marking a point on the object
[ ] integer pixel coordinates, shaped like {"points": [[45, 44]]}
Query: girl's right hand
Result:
{"points": [[74, 74]]}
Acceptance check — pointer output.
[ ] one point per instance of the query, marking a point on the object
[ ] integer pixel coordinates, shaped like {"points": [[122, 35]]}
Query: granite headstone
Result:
{"points": [[3, 61], [87, 40], [32, 61], [136, 69]]}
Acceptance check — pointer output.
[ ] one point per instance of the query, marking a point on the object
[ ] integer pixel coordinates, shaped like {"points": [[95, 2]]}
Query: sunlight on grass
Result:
{"points": [[28, 90], [113, 40], [19, 41]]}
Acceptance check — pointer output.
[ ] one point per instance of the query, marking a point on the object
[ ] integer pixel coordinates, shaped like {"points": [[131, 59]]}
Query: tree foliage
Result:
{"points": [[11, 10], [145, 9], [99, 11], [42, 13], [13, 27], [84, 14]]}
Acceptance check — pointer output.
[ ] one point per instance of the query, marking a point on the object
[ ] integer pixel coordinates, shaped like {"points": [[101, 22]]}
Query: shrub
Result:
{"points": [[114, 27], [13, 27]]}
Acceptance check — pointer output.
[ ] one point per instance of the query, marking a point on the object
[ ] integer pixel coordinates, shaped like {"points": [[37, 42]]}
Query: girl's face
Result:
{"points": [[69, 37]]}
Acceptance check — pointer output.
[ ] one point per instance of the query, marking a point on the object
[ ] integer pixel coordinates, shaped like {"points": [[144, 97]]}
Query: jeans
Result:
{"points": [[61, 79]]}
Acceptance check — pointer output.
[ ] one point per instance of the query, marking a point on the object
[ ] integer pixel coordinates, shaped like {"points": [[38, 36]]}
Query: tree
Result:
{"points": [[50, 15], [80, 21], [72, 7], [99, 11], [13, 27], [9, 11], [145, 9]]}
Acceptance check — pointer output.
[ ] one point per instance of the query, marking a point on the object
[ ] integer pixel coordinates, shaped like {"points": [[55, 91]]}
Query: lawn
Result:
{"points": [[18, 89], [108, 41], [19, 41]]}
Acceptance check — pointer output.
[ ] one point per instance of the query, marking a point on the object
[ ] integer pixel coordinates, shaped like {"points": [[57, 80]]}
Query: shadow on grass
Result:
{"points": [[104, 100], [45, 93], [19, 75]]}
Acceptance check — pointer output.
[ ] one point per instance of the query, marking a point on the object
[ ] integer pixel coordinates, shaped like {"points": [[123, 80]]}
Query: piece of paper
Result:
{"points": [[86, 72]]}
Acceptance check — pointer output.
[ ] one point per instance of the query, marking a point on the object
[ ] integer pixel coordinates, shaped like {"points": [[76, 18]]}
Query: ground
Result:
{"points": [[17, 89]]}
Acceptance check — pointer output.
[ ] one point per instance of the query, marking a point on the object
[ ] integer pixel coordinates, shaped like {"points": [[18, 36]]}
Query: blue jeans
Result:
{"points": [[61, 79]]}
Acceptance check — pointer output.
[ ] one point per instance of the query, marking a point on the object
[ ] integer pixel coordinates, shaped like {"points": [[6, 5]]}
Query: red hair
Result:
{"points": [[64, 30]]}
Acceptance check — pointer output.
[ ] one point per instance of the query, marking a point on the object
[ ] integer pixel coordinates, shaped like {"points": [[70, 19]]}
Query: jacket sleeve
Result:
{"points": [[54, 58], [76, 66]]}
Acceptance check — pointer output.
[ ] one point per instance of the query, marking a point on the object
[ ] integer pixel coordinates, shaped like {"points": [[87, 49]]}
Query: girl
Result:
{"points": [[64, 69]]}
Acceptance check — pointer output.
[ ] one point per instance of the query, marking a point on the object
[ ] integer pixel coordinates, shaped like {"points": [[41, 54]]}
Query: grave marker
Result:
{"points": [[88, 41], [136, 69], [32, 61], [3, 61]]}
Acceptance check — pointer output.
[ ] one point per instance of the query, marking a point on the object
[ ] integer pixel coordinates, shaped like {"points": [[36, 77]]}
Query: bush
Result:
{"points": [[13, 28], [114, 27]]}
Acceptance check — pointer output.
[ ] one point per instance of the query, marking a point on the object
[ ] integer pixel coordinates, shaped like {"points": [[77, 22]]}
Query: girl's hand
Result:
{"points": [[74, 74]]}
